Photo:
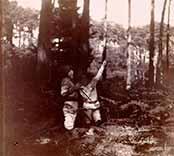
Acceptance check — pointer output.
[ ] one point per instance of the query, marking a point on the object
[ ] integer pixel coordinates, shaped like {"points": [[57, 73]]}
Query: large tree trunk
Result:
{"points": [[44, 41], [68, 13], [78, 30], [44, 31], [1, 88], [168, 38], [159, 64], [85, 22], [1, 59], [128, 82], [152, 46], [74, 19], [84, 37]]}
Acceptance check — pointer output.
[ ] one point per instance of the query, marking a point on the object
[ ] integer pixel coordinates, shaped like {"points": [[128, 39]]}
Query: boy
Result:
{"points": [[91, 104]]}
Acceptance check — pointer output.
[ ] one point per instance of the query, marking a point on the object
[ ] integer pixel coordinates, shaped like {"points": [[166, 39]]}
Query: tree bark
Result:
{"points": [[105, 39], [1, 89], [78, 30], [24, 39], [44, 43], [1, 59], [152, 46], [68, 12], [44, 32], [19, 43], [30, 37], [84, 37], [128, 82], [160, 46], [85, 21], [168, 38], [9, 27]]}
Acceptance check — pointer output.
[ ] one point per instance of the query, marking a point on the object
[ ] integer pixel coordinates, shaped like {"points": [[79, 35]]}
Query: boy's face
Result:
{"points": [[84, 80], [71, 74]]}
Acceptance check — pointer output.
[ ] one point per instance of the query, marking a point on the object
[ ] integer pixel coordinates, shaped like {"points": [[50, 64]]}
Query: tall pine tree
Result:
{"points": [[152, 45]]}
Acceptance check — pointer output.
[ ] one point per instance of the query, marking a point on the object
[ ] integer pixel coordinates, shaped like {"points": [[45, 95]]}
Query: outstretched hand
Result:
{"points": [[104, 62]]}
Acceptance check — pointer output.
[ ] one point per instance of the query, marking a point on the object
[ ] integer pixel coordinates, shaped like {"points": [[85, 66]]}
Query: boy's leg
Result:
{"points": [[88, 116], [96, 116], [70, 112]]}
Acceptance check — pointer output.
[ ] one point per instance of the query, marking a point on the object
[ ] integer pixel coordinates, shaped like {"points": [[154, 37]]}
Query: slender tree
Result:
{"points": [[160, 45], [105, 38], [168, 38], [152, 45], [128, 86], [19, 33]]}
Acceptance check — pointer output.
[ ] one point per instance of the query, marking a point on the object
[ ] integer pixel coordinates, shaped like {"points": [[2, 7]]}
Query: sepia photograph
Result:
{"points": [[87, 77]]}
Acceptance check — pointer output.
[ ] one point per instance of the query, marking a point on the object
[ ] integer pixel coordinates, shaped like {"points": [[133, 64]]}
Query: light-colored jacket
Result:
{"points": [[89, 92], [67, 85]]}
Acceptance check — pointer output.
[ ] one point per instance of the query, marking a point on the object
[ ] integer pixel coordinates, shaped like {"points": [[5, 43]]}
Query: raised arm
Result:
{"points": [[100, 71], [95, 80]]}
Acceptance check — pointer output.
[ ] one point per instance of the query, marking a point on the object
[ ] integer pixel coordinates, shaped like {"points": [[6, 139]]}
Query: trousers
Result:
{"points": [[92, 115], [70, 109]]}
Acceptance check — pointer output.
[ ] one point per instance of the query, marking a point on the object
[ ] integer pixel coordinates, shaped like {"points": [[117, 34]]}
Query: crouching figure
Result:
{"points": [[70, 93]]}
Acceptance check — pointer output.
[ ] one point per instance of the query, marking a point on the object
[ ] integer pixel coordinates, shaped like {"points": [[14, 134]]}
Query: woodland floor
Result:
{"points": [[142, 123]]}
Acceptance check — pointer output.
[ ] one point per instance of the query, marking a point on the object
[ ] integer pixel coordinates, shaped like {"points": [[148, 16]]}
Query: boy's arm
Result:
{"points": [[66, 90], [94, 81], [100, 71]]}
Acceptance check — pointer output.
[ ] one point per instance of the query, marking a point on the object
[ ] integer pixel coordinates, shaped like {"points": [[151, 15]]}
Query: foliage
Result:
{"points": [[17, 19], [117, 54]]}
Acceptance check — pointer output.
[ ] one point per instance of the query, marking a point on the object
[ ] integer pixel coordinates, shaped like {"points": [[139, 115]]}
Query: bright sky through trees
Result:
{"points": [[117, 10]]}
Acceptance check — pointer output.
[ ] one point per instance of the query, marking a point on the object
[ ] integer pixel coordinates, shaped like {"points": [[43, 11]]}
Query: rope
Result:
{"points": [[85, 94]]}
